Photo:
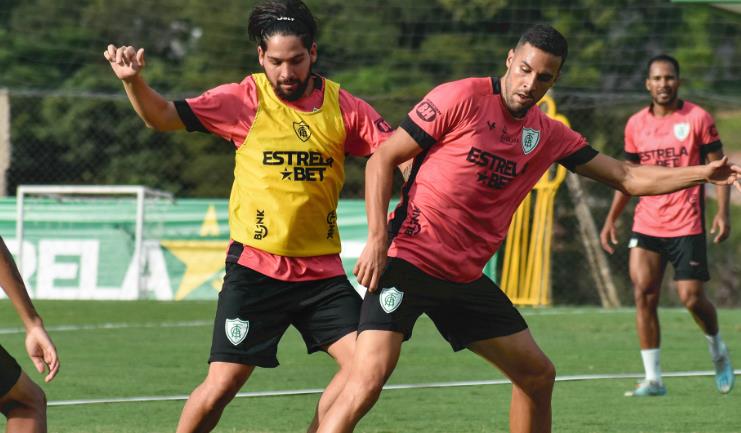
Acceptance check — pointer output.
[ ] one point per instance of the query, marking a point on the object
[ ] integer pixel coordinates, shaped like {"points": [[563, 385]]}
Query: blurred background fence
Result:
{"points": [[70, 123]]}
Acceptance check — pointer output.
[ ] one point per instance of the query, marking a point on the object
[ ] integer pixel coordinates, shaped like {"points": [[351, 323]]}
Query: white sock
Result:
{"points": [[651, 364], [716, 346]]}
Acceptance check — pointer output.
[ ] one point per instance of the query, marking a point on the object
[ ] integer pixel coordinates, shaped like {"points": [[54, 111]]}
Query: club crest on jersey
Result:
{"points": [[303, 132], [682, 130], [236, 330], [390, 299], [530, 139]]}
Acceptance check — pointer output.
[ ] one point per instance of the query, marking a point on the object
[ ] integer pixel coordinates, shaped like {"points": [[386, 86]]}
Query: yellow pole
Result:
{"points": [[526, 272]]}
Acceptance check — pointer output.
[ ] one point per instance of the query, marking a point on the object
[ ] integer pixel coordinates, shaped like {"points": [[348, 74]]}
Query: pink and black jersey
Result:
{"points": [[229, 111], [477, 165], [680, 139]]}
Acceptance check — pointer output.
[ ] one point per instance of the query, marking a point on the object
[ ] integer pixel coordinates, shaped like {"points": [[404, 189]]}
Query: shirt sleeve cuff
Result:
{"points": [[423, 139], [710, 148], [188, 117], [632, 157], [581, 156]]}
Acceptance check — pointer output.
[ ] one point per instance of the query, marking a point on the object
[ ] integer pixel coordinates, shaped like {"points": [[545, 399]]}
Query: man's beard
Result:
{"points": [[296, 94], [669, 102]]}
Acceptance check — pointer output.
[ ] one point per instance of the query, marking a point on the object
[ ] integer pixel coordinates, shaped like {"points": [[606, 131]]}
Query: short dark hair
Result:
{"points": [[663, 58], [547, 39], [282, 17]]}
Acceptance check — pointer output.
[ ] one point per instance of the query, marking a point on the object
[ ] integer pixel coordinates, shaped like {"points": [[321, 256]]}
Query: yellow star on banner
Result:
{"points": [[202, 260], [210, 226]]}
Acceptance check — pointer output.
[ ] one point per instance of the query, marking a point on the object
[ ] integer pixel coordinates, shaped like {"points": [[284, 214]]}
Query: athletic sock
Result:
{"points": [[715, 346], [651, 364]]}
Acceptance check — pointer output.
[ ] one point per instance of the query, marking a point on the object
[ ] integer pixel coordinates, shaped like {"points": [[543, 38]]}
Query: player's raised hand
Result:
{"points": [[126, 61], [42, 351], [608, 237], [723, 172]]}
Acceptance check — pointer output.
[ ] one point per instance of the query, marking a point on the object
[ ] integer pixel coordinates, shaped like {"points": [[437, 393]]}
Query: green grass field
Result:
{"points": [[160, 349]]}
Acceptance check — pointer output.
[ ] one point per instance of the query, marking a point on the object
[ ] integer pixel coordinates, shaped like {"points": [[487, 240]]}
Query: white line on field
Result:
{"points": [[291, 392], [95, 326], [197, 323]]}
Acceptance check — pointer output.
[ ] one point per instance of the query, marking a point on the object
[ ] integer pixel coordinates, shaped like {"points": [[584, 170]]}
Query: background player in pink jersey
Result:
{"points": [[21, 401], [478, 149], [291, 129], [671, 227]]}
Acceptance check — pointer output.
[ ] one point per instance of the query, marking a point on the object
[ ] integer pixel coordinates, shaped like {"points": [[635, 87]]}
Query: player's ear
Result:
{"points": [[510, 56], [260, 55], [313, 53], [648, 87]]}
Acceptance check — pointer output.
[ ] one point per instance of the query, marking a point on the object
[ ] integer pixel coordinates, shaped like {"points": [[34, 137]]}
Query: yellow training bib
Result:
{"points": [[288, 175]]}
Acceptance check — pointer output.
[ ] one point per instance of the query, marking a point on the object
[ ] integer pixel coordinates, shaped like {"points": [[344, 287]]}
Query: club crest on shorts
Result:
{"points": [[236, 330], [530, 139], [390, 299], [681, 130], [633, 243]]}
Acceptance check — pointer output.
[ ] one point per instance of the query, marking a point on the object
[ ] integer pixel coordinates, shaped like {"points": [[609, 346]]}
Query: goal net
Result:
{"points": [[88, 242]]}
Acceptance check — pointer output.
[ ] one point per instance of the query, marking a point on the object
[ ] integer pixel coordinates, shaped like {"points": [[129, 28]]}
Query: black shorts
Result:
{"points": [[254, 311], [10, 371], [462, 312], [688, 254]]}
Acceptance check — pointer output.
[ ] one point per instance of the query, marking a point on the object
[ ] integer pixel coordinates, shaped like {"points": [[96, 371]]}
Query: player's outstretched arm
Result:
{"points": [[157, 112], [379, 172], [608, 235], [38, 344], [638, 180]]}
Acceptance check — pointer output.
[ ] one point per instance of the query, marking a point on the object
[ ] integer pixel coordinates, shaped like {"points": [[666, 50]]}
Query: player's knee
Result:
{"points": [[37, 400], [645, 296], [365, 391], [690, 300], [29, 403], [541, 380], [547, 376]]}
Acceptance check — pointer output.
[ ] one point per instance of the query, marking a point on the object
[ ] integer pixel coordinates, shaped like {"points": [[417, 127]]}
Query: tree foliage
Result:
{"points": [[390, 54]]}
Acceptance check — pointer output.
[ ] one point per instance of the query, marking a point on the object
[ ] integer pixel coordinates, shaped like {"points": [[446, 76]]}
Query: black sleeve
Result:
{"points": [[189, 118], [419, 135], [581, 156], [632, 157], [710, 148]]}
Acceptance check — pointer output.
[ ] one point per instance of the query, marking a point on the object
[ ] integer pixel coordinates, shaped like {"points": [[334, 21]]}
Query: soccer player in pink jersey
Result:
{"points": [[671, 227], [291, 129], [478, 147], [22, 401]]}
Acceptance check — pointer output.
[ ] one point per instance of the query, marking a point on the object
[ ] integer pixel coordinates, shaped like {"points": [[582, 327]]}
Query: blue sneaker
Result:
{"points": [[724, 375], [647, 388]]}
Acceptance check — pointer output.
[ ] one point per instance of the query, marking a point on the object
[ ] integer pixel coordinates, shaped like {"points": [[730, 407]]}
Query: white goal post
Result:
{"points": [[140, 193]]}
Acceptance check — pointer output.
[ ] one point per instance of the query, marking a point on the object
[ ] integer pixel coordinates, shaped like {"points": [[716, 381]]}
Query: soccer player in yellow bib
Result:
{"points": [[291, 129]]}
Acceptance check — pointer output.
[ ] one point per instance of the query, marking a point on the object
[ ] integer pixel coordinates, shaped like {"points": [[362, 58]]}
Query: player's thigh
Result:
{"points": [[327, 311], [376, 355], [228, 375], [517, 356], [646, 263]]}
